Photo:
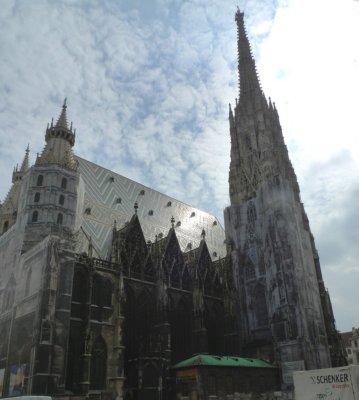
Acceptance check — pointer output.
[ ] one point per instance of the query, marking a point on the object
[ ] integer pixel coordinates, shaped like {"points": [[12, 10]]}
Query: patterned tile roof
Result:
{"points": [[111, 197]]}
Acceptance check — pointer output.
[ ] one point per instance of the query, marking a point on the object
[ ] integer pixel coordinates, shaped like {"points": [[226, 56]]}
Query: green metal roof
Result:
{"points": [[222, 361]]}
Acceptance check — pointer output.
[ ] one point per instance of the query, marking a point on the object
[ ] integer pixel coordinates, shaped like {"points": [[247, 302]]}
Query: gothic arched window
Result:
{"points": [[260, 306], [37, 197], [98, 365], [40, 180], [61, 200], [64, 183], [59, 219], [35, 216]]}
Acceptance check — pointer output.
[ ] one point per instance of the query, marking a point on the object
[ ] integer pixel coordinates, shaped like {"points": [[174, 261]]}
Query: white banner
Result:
{"points": [[327, 384]]}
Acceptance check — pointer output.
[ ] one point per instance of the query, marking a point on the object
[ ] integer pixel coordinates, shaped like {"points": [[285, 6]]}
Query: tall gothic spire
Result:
{"points": [[248, 78], [59, 142], [258, 150]]}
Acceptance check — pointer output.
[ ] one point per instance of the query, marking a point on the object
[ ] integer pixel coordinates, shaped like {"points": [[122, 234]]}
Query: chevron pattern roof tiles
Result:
{"points": [[102, 189]]}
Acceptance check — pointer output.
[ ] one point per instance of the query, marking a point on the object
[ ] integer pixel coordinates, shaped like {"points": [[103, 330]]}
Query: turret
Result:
{"points": [[59, 142], [8, 211], [53, 185]]}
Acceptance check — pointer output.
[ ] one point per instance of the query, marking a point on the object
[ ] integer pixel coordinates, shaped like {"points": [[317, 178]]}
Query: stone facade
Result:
{"points": [[106, 283], [100, 296], [284, 310]]}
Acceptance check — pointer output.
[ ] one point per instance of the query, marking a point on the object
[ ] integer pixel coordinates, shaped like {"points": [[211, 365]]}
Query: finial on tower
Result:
{"points": [[135, 207], [62, 121], [173, 222], [25, 164]]}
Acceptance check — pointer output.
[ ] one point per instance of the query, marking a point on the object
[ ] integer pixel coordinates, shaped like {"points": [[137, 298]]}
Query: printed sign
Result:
{"points": [[327, 384]]}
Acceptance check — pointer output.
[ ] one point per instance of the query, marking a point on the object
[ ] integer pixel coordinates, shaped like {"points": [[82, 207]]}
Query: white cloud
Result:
{"points": [[148, 86]]}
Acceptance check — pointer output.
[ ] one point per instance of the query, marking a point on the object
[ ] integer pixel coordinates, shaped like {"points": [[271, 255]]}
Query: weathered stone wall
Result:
{"points": [[275, 275]]}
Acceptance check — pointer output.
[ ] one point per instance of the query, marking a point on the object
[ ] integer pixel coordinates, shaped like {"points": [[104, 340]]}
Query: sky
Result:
{"points": [[148, 85]]}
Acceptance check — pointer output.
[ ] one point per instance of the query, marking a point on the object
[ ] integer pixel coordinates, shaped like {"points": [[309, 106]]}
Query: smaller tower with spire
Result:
{"points": [[9, 209], [59, 142], [51, 203]]}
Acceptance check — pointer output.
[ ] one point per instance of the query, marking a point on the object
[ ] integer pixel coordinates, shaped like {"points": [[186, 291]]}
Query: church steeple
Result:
{"points": [[258, 150], [59, 142], [249, 84]]}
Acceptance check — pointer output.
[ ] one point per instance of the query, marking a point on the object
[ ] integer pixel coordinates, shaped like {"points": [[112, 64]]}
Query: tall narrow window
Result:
{"points": [[260, 306], [61, 200], [59, 219], [98, 365], [37, 197], [35, 216], [64, 183], [40, 180]]}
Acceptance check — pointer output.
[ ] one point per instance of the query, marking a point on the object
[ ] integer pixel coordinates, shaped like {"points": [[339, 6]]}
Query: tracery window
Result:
{"points": [[61, 200], [37, 197]]}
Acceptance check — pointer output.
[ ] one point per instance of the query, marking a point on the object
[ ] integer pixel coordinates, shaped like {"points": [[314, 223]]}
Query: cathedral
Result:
{"points": [[107, 284]]}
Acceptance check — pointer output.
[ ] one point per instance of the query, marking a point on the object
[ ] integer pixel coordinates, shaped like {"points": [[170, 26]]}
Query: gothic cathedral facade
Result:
{"points": [[105, 283]]}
